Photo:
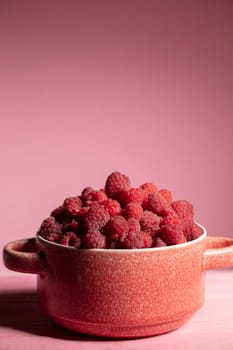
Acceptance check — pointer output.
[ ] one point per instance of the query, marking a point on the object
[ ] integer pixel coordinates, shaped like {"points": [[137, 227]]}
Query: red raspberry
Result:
{"points": [[112, 244], [120, 196], [116, 182], [133, 195], [172, 234], [72, 205], [70, 239], [96, 196], [166, 194], [149, 187], [136, 240], [94, 239], [50, 229], [117, 227], [133, 210], [192, 231], [146, 239], [82, 214], [158, 242], [121, 216], [112, 206], [59, 213], [85, 193], [171, 218], [134, 225], [131, 240], [157, 204], [150, 222], [73, 226], [81, 218], [96, 217], [183, 209], [145, 200]]}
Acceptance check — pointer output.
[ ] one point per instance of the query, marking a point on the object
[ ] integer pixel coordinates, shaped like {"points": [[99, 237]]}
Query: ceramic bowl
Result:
{"points": [[120, 293]]}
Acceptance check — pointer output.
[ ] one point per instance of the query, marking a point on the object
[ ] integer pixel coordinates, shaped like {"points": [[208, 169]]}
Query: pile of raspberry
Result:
{"points": [[120, 216]]}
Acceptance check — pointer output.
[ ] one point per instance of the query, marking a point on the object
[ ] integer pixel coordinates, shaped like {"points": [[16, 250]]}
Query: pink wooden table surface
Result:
{"points": [[24, 326]]}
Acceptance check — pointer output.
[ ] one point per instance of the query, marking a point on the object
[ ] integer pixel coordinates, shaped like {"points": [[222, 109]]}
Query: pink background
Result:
{"points": [[88, 87]]}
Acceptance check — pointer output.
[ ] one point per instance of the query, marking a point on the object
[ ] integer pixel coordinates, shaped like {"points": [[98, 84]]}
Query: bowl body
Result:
{"points": [[122, 293]]}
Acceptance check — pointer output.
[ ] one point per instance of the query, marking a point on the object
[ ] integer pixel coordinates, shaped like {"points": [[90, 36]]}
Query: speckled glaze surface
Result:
{"points": [[121, 293]]}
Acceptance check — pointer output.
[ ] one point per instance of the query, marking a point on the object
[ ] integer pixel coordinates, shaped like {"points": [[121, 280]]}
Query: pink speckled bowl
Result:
{"points": [[120, 293]]}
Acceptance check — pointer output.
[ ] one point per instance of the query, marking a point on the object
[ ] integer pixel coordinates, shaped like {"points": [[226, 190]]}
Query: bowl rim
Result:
{"points": [[127, 251]]}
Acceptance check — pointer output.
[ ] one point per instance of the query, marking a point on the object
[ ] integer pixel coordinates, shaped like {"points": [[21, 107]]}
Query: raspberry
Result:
{"points": [[136, 240], [73, 226], [94, 239], [50, 229], [133, 210], [166, 194], [112, 206], [171, 218], [183, 209], [120, 196], [158, 242], [157, 204], [131, 240], [117, 227], [96, 217], [121, 216], [192, 232], [134, 225], [85, 193], [72, 205], [82, 214], [59, 213], [150, 222], [116, 182], [81, 218], [70, 239], [149, 187], [172, 234], [112, 244], [146, 239], [96, 196], [133, 195], [145, 200]]}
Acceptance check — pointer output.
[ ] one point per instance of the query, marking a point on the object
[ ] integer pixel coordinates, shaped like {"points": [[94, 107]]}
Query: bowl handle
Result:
{"points": [[218, 253], [23, 256]]}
